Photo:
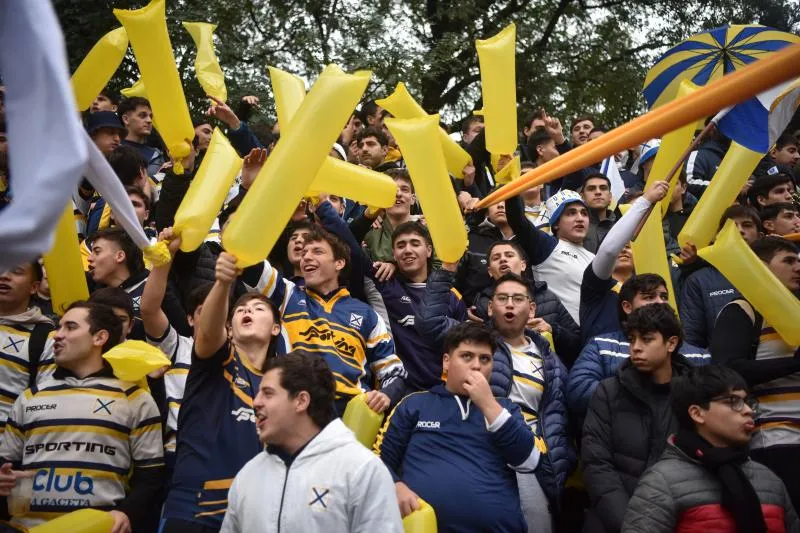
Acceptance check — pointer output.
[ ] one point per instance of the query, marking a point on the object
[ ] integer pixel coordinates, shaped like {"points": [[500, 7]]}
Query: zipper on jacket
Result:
{"points": [[283, 493]]}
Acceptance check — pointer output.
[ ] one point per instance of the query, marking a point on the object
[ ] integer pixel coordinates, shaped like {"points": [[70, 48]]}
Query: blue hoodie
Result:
{"points": [[441, 446]]}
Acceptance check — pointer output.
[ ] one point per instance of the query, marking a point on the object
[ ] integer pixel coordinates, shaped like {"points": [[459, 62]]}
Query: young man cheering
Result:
{"points": [[330, 482], [705, 477]]}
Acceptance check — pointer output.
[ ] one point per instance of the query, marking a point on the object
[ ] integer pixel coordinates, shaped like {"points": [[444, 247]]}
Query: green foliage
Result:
{"points": [[573, 56]]}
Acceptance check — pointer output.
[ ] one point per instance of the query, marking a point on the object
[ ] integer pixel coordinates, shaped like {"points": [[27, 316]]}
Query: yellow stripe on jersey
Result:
{"points": [[214, 502], [210, 513], [78, 392], [218, 484], [379, 440], [236, 390], [327, 306], [97, 430], [22, 332], [375, 340], [455, 291], [323, 321], [783, 424], [529, 382], [271, 283], [391, 360], [155, 426], [779, 397], [770, 337]]}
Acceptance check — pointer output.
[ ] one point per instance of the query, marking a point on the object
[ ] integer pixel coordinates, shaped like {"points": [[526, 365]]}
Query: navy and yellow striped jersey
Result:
{"points": [[216, 436], [15, 365], [82, 437], [348, 333]]}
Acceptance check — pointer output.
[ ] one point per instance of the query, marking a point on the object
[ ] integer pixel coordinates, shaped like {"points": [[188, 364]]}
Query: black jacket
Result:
{"points": [[598, 229], [472, 276], [626, 430], [566, 333]]}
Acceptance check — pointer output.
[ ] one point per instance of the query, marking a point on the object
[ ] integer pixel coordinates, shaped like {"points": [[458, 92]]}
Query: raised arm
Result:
{"points": [[537, 244], [154, 319], [210, 333]]}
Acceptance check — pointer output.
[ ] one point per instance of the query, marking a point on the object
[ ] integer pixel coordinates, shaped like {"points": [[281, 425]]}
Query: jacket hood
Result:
{"points": [[334, 435], [32, 316]]}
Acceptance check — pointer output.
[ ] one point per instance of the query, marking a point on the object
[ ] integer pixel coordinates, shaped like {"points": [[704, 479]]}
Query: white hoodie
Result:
{"points": [[334, 485]]}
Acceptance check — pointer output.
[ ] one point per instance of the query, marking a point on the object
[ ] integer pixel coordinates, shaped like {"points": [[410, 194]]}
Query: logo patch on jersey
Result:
{"points": [[406, 321], [356, 320], [240, 382], [14, 343], [405, 299], [42, 407], [320, 498], [103, 407], [564, 252], [243, 414], [428, 424], [48, 480], [301, 302], [136, 302]]}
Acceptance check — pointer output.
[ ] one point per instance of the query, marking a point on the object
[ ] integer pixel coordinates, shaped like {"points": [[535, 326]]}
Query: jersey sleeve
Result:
{"points": [[147, 446], [13, 439], [47, 362], [274, 286], [386, 366], [395, 435]]}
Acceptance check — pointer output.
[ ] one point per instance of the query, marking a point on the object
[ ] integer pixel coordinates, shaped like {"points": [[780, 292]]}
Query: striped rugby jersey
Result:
{"points": [[14, 365], [778, 422], [527, 387], [348, 333], [179, 350], [82, 437]]}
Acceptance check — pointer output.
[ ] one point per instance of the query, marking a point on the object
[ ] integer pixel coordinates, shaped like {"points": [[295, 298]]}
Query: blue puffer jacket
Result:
{"points": [[704, 293], [600, 359], [556, 465]]}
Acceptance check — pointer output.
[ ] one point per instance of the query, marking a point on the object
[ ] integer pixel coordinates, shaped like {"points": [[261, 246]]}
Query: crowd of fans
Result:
{"points": [[539, 384]]}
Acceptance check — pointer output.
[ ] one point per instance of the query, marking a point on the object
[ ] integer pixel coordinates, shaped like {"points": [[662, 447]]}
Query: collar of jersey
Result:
{"points": [[327, 301], [105, 372]]}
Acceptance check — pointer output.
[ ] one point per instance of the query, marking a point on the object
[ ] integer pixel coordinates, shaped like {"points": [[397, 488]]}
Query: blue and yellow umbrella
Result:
{"points": [[710, 55]]}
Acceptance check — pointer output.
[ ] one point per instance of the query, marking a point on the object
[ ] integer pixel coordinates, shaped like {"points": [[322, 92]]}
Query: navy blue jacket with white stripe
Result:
{"points": [[600, 359], [442, 447]]}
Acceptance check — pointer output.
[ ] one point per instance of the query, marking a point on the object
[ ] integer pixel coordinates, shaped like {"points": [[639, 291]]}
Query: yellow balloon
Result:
{"points": [[137, 89], [422, 520], [425, 161], [147, 29], [133, 360], [206, 64], [98, 66], [650, 252], [362, 420], [63, 264], [498, 87], [508, 173], [402, 105], [335, 176], [207, 192], [82, 521], [293, 164], [354, 182], [289, 91], [736, 167], [672, 148], [742, 267]]}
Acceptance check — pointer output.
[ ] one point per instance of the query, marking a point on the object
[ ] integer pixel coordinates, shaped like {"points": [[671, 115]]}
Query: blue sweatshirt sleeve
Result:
{"points": [[395, 435], [514, 438], [432, 320], [243, 140], [537, 244]]}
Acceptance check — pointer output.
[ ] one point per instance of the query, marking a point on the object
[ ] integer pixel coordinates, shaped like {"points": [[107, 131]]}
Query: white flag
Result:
{"points": [[609, 168]]}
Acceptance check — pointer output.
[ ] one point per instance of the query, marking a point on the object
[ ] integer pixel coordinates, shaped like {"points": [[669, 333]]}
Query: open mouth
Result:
{"points": [[5, 288], [409, 259], [509, 316], [247, 320], [504, 269]]}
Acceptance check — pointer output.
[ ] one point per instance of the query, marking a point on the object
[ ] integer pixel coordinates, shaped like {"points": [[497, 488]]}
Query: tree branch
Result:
{"points": [[551, 24], [451, 94]]}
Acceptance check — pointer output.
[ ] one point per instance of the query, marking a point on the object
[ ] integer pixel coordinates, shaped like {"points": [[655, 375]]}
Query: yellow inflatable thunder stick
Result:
{"points": [[147, 30], [498, 87], [362, 421], [81, 521], [133, 360], [508, 173], [98, 66], [206, 193], [402, 105], [673, 146], [422, 520], [137, 89], [291, 167], [206, 64], [425, 161], [742, 267], [336, 176], [731, 175], [289, 91], [729, 90], [650, 252], [64, 266]]}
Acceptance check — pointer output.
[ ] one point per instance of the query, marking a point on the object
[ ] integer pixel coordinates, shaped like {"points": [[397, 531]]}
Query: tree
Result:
{"points": [[573, 56]]}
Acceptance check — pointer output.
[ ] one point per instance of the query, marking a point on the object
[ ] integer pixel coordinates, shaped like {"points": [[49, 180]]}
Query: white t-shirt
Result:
{"points": [[563, 272]]}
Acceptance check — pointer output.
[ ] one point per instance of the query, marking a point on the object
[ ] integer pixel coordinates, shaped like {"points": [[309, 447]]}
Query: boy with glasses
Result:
{"points": [[705, 475]]}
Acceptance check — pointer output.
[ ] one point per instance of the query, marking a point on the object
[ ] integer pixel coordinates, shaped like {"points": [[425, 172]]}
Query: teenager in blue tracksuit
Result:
{"points": [[549, 418], [604, 353], [452, 446]]}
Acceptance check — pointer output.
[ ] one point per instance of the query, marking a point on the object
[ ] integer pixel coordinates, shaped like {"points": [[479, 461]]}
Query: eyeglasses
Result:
{"points": [[737, 403], [516, 298]]}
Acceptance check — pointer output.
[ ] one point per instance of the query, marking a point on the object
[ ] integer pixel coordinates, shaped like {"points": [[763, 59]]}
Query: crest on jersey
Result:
{"points": [[356, 320]]}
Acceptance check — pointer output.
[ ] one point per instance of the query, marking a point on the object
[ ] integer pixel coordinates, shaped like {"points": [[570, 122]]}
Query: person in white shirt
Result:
{"points": [[559, 259], [313, 476]]}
